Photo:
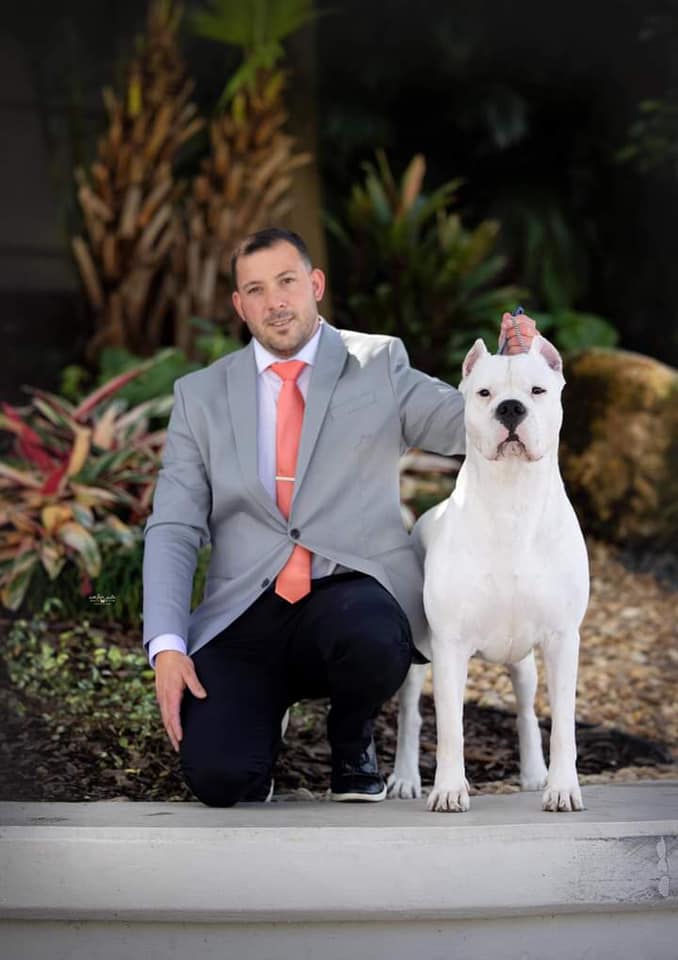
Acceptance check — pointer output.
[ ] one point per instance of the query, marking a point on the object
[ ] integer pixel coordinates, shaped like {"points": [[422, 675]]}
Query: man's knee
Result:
{"points": [[220, 786]]}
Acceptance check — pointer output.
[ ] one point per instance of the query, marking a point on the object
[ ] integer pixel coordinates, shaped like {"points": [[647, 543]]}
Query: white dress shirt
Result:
{"points": [[269, 385]]}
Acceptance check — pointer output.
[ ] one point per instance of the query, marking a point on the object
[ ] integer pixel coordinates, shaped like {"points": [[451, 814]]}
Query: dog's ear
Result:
{"points": [[477, 351], [548, 351]]}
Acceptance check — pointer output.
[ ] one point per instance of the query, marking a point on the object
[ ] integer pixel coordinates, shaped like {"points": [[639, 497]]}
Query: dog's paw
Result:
{"points": [[446, 800], [404, 788], [533, 783], [534, 778], [562, 798]]}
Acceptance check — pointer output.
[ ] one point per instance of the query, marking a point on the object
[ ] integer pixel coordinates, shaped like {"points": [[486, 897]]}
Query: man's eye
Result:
{"points": [[288, 279], [537, 390], [484, 392]]}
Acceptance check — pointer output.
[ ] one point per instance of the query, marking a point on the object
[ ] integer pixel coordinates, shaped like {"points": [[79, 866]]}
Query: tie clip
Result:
{"points": [[291, 479]]}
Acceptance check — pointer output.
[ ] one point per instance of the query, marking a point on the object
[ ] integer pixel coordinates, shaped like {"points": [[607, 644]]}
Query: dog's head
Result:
{"points": [[512, 403]]}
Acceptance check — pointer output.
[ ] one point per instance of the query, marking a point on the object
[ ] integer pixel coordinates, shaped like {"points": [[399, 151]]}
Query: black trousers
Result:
{"points": [[348, 640]]}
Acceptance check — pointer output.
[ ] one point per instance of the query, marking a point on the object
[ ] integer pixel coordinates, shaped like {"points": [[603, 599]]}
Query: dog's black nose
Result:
{"points": [[510, 413]]}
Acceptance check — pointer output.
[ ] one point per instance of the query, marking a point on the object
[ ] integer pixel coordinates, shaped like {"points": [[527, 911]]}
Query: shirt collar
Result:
{"points": [[264, 358]]}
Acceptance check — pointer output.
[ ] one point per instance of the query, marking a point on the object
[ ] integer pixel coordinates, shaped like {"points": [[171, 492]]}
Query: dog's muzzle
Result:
{"points": [[510, 413]]}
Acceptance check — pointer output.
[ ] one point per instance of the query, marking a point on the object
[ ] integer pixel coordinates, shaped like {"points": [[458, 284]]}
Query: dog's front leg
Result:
{"points": [[405, 781], [450, 667], [561, 653]]}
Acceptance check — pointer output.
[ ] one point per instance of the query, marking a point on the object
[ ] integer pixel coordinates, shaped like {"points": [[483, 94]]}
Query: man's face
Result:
{"points": [[277, 296]]}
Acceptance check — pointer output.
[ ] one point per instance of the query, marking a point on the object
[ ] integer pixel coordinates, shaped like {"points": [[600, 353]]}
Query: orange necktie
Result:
{"points": [[294, 580]]}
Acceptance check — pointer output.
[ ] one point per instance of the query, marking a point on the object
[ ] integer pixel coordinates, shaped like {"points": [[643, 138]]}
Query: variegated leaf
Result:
{"points": [[75, 536], [83, 514], [53, 516], [53, 558], [123, 533], [21, 477], [17, 580], [80, 451], [106, 428], [93, 496]]}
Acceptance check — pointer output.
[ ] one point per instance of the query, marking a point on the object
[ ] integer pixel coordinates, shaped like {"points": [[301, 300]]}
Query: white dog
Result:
{"points": [[505, 569]]}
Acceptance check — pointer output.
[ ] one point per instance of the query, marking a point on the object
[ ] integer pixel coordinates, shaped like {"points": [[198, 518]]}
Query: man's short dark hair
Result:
{"points": [[262, 240]]}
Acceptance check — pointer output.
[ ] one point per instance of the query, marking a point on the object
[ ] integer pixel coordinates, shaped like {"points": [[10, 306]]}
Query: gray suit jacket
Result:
{"points": [[365, 406]]}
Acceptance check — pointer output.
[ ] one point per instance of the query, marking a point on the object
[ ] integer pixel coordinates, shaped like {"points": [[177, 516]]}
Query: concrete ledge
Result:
{"points": [[103, 865]]}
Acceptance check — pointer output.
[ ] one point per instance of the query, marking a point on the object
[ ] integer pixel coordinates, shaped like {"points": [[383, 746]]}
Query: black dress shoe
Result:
{"points": [[357, 777]]}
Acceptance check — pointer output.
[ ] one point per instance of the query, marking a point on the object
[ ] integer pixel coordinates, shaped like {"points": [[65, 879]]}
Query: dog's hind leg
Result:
{"points": [[405, 781], [532, 767]]}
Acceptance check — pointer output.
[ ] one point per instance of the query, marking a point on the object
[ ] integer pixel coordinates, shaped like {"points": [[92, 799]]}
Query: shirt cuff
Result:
{"points": [[164, 641]]}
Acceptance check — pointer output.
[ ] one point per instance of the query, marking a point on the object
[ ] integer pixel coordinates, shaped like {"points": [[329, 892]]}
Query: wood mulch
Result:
{"points": [[627, 703], [627, 712]]}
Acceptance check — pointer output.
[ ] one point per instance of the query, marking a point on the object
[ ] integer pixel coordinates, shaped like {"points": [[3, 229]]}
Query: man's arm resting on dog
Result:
{"points": [[431, 412], [170, 558]]}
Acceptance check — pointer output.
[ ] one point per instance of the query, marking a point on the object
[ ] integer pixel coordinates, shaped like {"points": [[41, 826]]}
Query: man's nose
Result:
{"points": [[510, 413], [275, 300]]}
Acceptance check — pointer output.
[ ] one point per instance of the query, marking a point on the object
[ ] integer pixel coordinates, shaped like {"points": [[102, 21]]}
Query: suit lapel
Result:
{"points": [[329, 363], [241, 383]]}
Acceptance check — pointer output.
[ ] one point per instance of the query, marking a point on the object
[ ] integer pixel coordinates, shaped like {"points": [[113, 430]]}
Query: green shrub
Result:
{"points": [[169, 364], [417, 272], [573, 330], [115, 595], [77, 679]]}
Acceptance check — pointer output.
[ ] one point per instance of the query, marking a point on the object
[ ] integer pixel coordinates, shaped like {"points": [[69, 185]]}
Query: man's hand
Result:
{"points": [[173, 672], [516, 334]]}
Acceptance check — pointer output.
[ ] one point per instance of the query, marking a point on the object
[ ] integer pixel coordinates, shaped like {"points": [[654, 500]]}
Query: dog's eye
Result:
{"points": [[484, 392], [536, 390]]}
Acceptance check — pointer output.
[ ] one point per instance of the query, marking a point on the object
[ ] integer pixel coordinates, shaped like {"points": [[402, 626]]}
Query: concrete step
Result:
{"points": [[317, 879]]}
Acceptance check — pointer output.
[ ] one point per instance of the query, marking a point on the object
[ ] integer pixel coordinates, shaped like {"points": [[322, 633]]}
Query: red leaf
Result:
{"points": [[51, 484], [36, 454], [85, 585], [25, 432], [107, 389]]}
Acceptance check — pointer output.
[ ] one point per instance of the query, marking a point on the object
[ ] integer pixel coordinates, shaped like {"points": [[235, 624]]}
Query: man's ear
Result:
{"points": [[237, 303], [317, 283], [548, 351], [477, 351]]}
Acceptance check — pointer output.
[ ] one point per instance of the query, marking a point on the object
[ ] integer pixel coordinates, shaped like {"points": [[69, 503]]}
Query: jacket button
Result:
{"points": [[265, 582], [294, 533]]}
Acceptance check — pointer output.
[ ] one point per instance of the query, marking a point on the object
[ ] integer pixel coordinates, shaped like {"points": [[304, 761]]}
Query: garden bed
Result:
{"points": [[78, 719]]}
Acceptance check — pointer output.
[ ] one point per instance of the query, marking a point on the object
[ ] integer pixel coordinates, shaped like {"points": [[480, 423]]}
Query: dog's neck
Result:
{"points": [[510, 491]]}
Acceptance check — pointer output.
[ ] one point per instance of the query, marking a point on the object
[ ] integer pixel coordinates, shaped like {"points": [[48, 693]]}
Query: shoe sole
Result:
{"points": [[361, 797]]}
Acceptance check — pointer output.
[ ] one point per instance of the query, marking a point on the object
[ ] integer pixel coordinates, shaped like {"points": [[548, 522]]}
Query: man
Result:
{"points": [[284, 455]]}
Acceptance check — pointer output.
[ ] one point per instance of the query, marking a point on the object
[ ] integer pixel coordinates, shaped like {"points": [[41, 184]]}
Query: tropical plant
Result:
{"points": [[653, 136], [258, 28], [575, 330], [415, 271], [245, 179], [79, 478], [210, 344], [129, 194]]}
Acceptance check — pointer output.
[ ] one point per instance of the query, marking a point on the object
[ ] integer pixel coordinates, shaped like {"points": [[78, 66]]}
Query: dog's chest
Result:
{"points": [[498, 605]]}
